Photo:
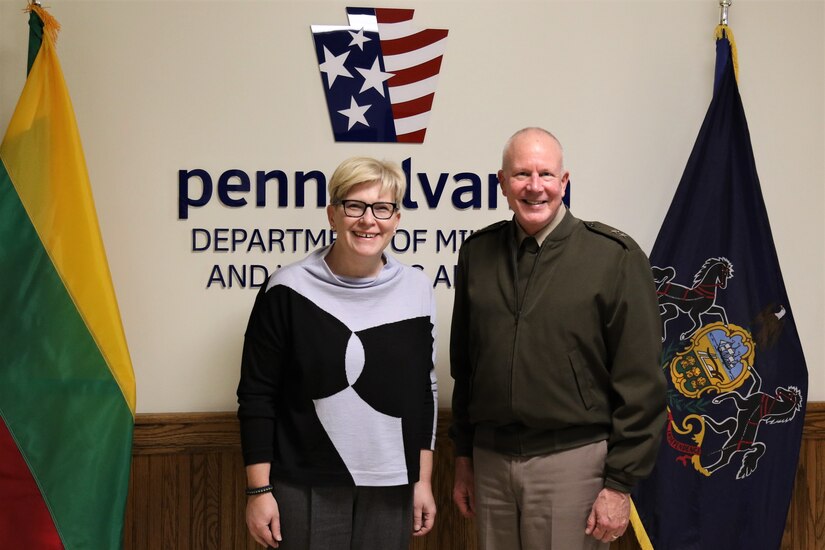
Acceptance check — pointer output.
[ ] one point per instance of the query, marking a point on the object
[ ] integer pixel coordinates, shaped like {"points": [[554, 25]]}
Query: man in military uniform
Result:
{"points": [[559, 399]]}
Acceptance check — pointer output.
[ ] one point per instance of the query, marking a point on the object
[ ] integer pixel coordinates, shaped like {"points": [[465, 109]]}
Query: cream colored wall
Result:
{"points": [[162, 86]]}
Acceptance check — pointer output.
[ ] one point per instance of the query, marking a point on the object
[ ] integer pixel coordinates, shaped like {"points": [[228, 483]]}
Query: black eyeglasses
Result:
{"points": [[380, 210]]}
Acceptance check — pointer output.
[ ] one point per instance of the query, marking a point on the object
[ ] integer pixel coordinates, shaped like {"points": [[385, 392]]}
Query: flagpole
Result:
{"points": [[723, 11]]}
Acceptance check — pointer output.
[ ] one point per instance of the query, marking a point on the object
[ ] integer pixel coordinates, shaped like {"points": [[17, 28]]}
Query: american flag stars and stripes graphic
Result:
{"points": [[379, 75]]}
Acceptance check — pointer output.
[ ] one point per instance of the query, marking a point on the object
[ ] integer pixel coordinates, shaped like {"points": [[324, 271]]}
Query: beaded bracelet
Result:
{"points": [[259, 490]]}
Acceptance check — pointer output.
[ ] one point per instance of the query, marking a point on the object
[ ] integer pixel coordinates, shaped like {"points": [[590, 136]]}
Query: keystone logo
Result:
{"points": [[379, 75]]}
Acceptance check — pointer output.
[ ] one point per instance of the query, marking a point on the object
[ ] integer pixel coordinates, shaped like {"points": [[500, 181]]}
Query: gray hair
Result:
{"points": [[509, 144]]}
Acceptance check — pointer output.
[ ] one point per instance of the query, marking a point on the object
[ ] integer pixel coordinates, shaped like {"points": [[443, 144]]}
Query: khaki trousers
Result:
{"points": [[537, 502]]}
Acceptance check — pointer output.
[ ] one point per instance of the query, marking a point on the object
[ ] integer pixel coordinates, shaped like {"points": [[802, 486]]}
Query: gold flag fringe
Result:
{"points": [[723, 31], [50, 24]]}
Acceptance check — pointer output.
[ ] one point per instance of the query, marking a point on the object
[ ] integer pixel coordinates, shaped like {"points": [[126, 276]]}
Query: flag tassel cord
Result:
{"points": [[639, 529], [50, 24]]}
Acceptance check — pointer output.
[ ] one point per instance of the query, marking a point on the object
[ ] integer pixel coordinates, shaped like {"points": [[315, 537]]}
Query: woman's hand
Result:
{"points": [[264, 520], [423, 501], [423, 508]]}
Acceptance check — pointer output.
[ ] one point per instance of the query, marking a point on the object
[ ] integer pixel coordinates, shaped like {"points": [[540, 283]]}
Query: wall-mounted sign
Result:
{"points": [[379, 75]]}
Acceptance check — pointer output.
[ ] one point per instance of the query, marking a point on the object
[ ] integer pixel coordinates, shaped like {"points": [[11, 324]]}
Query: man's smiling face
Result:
{"points": [[533, 179]]}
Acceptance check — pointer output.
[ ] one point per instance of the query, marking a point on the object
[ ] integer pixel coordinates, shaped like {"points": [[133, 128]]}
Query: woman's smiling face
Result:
{"points": [[364, 236]]}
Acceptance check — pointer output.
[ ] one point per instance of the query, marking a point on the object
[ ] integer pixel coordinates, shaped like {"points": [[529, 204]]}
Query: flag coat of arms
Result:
{"points": [[67, 390], [379, 75], [731, 353]]}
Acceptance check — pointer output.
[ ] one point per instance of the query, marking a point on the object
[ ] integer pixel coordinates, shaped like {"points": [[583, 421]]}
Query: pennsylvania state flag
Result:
{"points": [[67, 390], [736, 374]]}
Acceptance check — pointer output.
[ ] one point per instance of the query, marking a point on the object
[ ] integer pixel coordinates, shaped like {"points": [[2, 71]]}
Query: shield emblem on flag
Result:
{"points": [[716, 361]]}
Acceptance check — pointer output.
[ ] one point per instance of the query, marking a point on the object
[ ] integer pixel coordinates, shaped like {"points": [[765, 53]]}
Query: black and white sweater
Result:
{"points": [[337, 377]]}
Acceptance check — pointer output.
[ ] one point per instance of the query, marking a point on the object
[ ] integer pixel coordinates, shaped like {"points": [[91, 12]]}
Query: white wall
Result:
{"points": [[162, 86]]}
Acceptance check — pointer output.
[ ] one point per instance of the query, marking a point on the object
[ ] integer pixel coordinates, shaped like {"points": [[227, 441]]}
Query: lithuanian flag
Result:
{"points": [[67, 390]]}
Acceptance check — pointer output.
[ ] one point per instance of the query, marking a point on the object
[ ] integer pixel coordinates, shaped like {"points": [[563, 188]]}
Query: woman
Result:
{"points": [[337, 396]]}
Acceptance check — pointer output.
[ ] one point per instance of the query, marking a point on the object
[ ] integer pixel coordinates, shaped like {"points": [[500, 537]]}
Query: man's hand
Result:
{"points": [[423, 508], [264, 520], [609, 515], [463, 487]]}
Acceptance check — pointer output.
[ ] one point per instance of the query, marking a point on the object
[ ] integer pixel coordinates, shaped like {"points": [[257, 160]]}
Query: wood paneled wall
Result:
{"points": [[187, 482]]}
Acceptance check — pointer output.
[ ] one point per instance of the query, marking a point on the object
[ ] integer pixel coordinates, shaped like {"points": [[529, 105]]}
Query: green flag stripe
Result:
{"points": [[35, 38], [57, 394]]}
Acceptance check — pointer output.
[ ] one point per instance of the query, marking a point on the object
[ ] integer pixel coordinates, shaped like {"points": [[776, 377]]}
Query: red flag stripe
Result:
{"points": [[413, 42], [413, 107], [412, 137], [390, 15], [417, 73], [25, 521]]}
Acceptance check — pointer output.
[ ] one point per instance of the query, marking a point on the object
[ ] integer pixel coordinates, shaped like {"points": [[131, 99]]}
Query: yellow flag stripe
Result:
{"points": [[44, 159]]}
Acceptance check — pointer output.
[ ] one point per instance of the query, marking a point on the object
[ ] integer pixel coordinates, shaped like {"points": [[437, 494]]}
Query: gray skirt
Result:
{"points": [[333, 518]]}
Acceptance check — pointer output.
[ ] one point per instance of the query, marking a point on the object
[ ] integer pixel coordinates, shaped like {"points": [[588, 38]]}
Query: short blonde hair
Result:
{"points": [[357, 170]]}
